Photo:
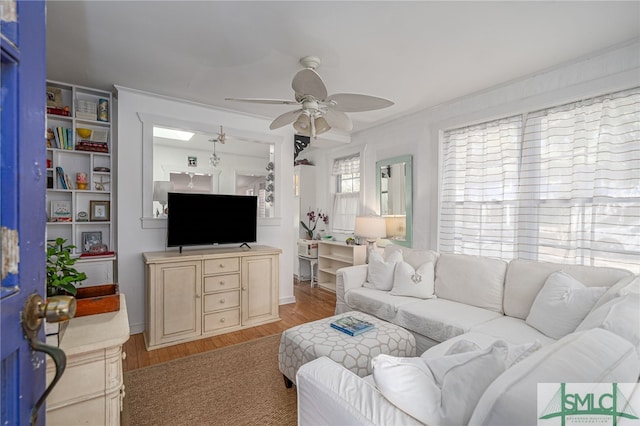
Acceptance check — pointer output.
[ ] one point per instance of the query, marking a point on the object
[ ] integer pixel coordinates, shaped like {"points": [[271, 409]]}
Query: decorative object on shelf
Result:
{"points": [[60, 211], [192, 161], [161, 189], [370, 228], [102, 169], [61, 275], [90, 239], [103, 110], [86, 110], [84, 133], [350, 241], [54, 97], [100, 184], [99, 210], [81, 180], [82, 217], [313, 220]]}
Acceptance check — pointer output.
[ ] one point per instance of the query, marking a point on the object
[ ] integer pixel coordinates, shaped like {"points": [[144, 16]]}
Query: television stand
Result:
{"points": [[245, 244]]}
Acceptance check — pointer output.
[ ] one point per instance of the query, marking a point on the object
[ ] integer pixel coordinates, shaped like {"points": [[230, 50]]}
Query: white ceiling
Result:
{"points": [[418, 54]]}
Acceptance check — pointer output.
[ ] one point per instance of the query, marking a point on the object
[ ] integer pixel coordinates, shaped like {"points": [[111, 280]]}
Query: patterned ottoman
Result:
{"points": [[306, 342]]}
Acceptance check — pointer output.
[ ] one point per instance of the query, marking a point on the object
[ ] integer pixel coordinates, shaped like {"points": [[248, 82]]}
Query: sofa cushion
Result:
{"points": [[375, 302], [441, 319], [513, 330], [620, 316], [380, 272], [593, 356], [438, 390], [417, 282], [473, 280], [413, 257], [562, 304], [525, 278], [624, 286]]}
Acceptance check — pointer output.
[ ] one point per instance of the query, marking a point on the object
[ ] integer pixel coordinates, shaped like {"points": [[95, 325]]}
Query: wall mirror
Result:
{"points": [[395, 193], [180, 156]]}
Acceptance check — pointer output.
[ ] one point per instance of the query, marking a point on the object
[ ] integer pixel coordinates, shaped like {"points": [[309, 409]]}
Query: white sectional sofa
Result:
{"points": [[577, 324]]}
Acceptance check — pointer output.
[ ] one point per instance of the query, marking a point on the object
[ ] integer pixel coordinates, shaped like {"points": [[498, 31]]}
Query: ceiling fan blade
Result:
{"points": [[263, 101], [308, 82], [353, 102], [338, 119], [284, 119]]}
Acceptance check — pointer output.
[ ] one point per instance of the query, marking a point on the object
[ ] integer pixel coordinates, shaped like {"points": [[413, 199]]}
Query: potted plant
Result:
{"points": [[62, 277], [313, 219]]}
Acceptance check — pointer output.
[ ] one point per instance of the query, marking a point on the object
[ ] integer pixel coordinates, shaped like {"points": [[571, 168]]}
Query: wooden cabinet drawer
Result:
{"points": [[221, 282], [220, 320], [218, 266], [225, 300]]}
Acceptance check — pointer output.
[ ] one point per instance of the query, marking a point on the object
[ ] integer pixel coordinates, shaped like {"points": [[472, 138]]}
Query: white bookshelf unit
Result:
{"points": [[333, 255], [69, 108]]}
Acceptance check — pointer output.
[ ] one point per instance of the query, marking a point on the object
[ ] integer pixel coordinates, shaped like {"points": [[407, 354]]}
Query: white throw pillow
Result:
{"points": [[562, 304], [380, 272], [441, 390], [626, 285], [413, 282], [620, 316]]}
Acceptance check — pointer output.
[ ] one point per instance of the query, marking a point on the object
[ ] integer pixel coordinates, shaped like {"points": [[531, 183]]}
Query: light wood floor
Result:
{"points": [[311, 304]]}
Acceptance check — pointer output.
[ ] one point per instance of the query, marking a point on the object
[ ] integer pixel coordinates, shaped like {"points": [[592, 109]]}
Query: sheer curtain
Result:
{"points": [[563, 188], [345, 204]]}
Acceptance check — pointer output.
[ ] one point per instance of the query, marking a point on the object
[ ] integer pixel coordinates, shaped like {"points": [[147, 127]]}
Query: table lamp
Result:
{"points": [[370, 228], [161, 190]]}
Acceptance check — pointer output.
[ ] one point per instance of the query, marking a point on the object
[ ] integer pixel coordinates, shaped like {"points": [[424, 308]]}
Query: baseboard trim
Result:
{"points": [[287, 300]]}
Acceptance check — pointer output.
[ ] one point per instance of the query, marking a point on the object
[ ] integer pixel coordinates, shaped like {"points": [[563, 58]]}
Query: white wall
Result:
{"points": [[419, 134], [133, 239]]}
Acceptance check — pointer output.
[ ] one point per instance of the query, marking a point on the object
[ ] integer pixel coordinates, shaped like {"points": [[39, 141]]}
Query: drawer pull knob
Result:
{"points": [[221, 282], [221, 300], [222, 265], [222, 320]]}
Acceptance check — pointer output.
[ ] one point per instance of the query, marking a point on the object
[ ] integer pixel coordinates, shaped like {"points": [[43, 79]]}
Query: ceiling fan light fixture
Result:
{"points": [[303, 124], [321, 125]]}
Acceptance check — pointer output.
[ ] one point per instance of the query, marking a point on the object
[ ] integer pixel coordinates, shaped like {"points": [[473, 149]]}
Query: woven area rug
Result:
{"points": [[236, 385]]}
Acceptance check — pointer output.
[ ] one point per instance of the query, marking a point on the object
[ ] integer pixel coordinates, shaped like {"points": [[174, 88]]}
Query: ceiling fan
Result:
{"points": [[318, 111]]}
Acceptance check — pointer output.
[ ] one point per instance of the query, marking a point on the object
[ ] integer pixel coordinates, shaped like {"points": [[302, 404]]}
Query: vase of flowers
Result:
{"points": [[312, 222]]}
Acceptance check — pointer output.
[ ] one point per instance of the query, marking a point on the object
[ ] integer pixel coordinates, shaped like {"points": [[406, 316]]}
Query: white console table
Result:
{"points": [[91, 389]]}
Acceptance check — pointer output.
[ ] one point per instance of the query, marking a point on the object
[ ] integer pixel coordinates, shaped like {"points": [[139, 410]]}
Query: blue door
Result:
{"points": [[22, 202]]}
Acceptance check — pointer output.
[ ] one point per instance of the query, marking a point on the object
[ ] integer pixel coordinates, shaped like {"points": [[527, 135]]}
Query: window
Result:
{"points": [[345, 204], [558, 185]]}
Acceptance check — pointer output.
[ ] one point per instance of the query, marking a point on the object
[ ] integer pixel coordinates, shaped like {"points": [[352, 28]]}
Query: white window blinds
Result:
{"points": [[346, 165], [567, 190]]}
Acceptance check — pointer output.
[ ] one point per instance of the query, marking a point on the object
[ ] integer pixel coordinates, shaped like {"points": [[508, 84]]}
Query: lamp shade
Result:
{"points": [[161, 190], [370, 227]]}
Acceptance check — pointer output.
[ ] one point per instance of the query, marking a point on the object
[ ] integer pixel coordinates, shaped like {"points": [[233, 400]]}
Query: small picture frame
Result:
{"points": [[99, 211], [90, 239], [192, 161], [54, 97]]}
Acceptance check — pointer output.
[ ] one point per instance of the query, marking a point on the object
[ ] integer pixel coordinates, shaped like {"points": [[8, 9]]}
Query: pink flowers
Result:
{"points": [[313, 220]]}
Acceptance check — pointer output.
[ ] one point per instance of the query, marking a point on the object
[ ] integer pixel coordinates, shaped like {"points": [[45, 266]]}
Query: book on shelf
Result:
{"points": [[60, 173], [352, 326], [87, 145]]}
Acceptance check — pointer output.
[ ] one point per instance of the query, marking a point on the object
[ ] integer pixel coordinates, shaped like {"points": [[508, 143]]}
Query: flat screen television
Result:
{"points": [[205, 219]]}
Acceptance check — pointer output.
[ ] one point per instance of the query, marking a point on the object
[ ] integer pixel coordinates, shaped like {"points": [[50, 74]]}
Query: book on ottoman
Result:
{"points": [[351, 325]]}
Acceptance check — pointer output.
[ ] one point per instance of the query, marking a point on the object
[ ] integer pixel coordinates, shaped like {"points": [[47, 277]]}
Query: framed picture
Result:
{"points": [[99, 211], [54, 97], [60, 211], [90, 239]]}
